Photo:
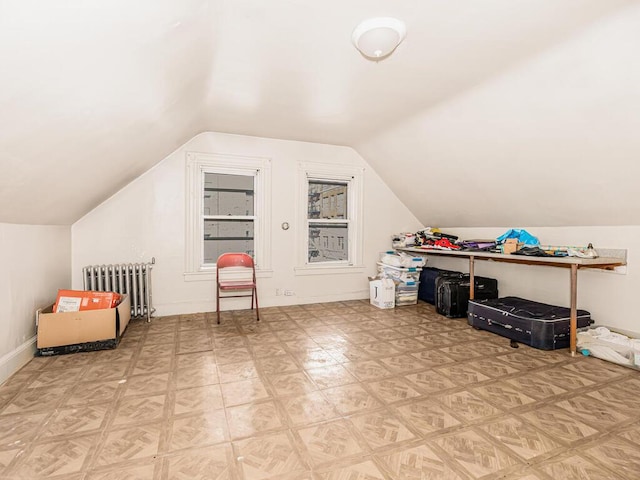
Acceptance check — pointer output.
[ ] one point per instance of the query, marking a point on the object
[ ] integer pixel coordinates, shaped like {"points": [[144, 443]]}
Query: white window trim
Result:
{"points": [[354, 176], [199, 163]]}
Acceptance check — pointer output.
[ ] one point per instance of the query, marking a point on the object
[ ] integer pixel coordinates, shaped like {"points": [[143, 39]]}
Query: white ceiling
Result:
{"points": [[93, 93]]}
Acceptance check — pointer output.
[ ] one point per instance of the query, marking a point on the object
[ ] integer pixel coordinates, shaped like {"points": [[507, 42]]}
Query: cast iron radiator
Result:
{"points": [[133, 279]]}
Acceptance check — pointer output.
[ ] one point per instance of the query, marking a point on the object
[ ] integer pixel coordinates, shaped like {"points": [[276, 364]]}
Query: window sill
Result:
{"points": [[210, 276], [329, 269]]}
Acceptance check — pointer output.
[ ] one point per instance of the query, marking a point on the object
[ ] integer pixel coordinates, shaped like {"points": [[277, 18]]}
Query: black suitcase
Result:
{"points": [[452, 293], [427, 286], [536, 324]]}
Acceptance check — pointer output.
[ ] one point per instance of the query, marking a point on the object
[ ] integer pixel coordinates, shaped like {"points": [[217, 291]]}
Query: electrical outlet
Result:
{"points": [[289, 293]]}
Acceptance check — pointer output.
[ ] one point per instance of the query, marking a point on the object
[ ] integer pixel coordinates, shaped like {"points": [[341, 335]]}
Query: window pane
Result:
{"points": [[228, 194], [328, 242], [223, 236], [327, 200]]}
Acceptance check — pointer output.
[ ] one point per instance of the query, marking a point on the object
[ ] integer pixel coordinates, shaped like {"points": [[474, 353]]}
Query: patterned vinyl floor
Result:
{"points": [[338, 391]]}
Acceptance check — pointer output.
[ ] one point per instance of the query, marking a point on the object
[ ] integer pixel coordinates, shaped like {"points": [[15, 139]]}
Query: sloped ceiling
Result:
{"points": [[527, 111]]}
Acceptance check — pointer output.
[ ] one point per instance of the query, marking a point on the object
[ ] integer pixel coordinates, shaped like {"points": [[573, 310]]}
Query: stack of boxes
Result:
{"points": [[404, 270]]}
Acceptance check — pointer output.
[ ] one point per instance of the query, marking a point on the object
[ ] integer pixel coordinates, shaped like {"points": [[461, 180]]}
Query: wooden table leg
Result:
{"points": [[472, 282], [574, 308]]}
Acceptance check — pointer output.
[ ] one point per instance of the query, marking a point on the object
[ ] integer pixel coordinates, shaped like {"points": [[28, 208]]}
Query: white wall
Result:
{"points": [[35, 264], [553, 141], [147, 219], [610, 297]]}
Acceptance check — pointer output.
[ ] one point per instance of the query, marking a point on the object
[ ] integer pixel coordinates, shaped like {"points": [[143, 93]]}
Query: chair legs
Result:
{"points": [[254, 295], [218, 303]]}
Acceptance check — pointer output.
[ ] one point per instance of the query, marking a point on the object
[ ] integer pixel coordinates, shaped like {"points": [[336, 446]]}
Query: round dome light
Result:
{"points": [[376, 38]]}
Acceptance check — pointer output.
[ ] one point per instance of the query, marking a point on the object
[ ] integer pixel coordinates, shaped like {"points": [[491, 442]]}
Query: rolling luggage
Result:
{"points": [[428, 277], [536, 324], [452, 293]]}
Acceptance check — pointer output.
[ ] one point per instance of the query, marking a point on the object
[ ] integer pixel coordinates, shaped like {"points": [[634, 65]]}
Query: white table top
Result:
{"points": [[600, 262]]}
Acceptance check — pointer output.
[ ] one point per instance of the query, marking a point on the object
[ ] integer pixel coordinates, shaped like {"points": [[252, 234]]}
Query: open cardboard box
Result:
{"points": [[510, 245], [89, 330]]}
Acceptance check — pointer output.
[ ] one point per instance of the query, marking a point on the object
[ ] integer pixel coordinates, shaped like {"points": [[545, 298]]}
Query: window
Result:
{"points": [[228, 216], [227, 210], [330, 236], [326, 221]]}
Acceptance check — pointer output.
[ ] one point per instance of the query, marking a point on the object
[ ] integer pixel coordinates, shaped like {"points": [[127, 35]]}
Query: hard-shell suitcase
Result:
{"points": [[453, 293], [427, 288], [536, 324]]}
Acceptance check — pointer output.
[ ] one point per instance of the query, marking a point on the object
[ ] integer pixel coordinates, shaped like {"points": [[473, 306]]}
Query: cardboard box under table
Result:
{"points": [[68, 332]]}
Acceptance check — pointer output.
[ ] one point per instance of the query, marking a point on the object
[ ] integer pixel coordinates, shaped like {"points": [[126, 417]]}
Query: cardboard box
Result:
{"points": [[509, 246], [382, 293], [89, 330]]}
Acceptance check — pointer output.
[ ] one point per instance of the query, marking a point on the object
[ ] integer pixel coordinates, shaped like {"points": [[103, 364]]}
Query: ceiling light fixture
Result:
{"points": [[377, 38]]}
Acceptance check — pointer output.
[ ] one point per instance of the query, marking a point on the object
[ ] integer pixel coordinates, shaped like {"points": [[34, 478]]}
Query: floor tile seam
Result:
{"points": [[19, 386], [501, 472], [362, 385], [379, 396], [19, 457], [505, 448], [38, 431], [266, 432], [443, 456], [320, 472], [330, 463], [388, 473], [109, 425], [451, 391], [35, 409], [574, 452], [589, 420], [168, 450], [17, 463], [583, 452], [118, 466], [500, 412], [294, 441], [480, 390], [435, 434], [619, 380], [363, 444], [614, 433], [568, 444], [413, 430], [560, 397]]}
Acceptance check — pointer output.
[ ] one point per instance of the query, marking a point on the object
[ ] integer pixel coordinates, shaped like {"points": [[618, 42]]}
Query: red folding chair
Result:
{"points": [[243, 262]]}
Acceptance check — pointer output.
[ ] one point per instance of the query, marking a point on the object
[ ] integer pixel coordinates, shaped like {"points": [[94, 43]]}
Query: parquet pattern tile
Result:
{"points": [[129, 444], [560, 424], [337, 391], [360, 471], [267, 456], [419, 463], [381, 428], [619, 455], [427, 416], [521, 438], [62, 457], [475, 454], [328, 442]]}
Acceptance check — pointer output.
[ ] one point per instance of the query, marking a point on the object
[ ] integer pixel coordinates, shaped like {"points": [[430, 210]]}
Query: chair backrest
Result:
{"points": [[234, 260]]}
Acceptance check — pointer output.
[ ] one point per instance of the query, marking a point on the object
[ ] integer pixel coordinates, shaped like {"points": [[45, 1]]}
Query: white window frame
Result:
{"points": [[197, 165], [353, 177]]}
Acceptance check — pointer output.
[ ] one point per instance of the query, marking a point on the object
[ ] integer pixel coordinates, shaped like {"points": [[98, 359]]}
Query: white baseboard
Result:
{"points": [[13, 361], [183, 308]]}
